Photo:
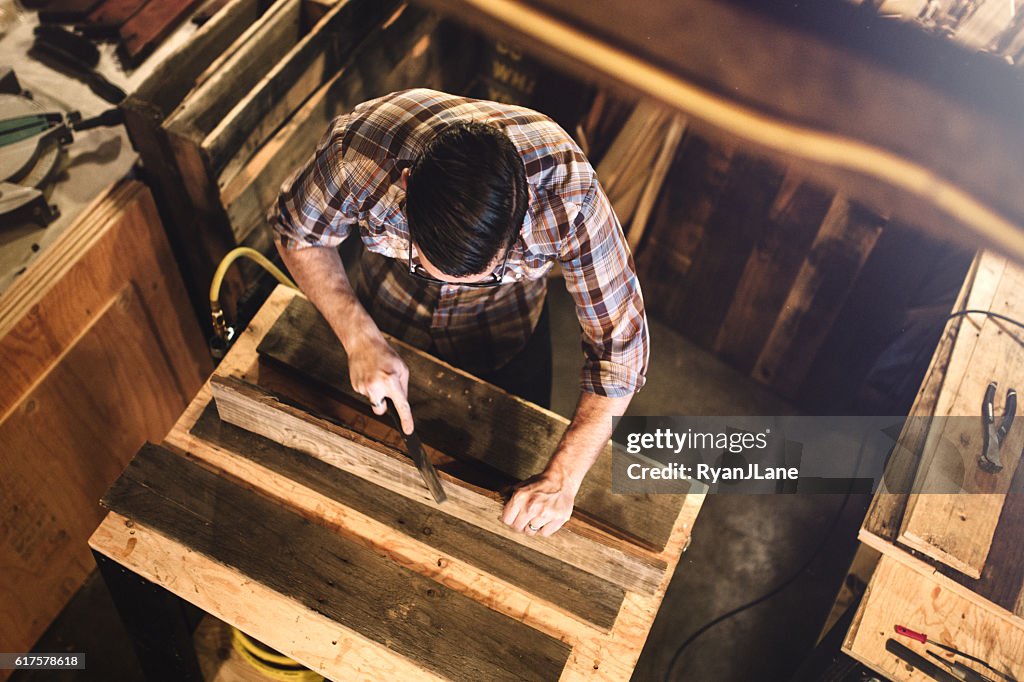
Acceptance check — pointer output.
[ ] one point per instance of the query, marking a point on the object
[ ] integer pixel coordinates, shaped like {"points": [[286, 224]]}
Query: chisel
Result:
{"points": [[416, 454]]}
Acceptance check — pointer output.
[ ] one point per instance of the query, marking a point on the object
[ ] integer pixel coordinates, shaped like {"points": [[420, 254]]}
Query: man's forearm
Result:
{"points": [[320, 274], [583, 441]]}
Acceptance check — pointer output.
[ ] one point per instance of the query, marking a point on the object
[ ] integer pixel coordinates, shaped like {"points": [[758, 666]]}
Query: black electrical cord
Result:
{"points": [[998, 316], [766, 596]]}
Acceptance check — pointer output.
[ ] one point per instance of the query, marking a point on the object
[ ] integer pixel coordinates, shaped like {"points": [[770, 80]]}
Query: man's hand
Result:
{"points": [[375, 369], [377, 372], [541, 505]]}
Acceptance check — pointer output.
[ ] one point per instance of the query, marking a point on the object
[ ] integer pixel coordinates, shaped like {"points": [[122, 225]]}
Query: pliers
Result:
{"points": [[989, 460]]}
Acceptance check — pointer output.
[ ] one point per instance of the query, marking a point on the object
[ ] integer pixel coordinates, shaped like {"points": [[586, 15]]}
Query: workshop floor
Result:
{"points": [[743, 546]]}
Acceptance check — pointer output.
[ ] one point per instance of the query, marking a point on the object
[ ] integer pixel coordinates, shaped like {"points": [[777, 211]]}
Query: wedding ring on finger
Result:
{"points": [[533, 527]]}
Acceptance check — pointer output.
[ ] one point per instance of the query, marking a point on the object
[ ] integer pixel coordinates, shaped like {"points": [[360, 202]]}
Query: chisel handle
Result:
{"points": [[912, 634]]}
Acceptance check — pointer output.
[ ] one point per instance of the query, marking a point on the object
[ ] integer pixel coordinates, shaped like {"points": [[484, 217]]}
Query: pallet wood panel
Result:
{"points": [[327, 573], [590, 598], [100, 353], [310, 637], [446, 404], [792, 221], [1002, 578], [578, 544], [957, 529], [898, 595], [397, 56], [885, 515], [842, 245], [696, 180]]}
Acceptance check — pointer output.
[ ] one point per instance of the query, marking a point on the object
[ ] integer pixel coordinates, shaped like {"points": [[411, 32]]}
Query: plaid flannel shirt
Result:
{"points": [[353, 181]]}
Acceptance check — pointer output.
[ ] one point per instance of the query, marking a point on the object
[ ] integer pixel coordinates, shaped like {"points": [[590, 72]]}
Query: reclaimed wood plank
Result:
{"points": [[842, 245], [957, 529], [443, 631], [588, 597], [793, 220], [148, 27], [885, 515], [466, 418], [696, 180], [577, 543], [729, 235]]}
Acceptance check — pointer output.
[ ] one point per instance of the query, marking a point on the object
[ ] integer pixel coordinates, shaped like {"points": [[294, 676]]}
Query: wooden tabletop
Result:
{"points": [[439, 604]]}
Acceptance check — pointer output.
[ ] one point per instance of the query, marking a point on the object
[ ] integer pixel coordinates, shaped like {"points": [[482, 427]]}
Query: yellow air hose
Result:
{"points": [[224, 333]]}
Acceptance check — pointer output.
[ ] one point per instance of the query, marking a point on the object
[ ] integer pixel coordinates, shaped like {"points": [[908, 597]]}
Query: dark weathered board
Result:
{"points": [[442, 630], [732, 229], [843, 243], [591, 598], [470, 419], [694, 185], [111, 14]]}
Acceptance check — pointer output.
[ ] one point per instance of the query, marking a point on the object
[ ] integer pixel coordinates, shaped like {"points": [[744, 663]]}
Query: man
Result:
{"points": [[463, 206]]}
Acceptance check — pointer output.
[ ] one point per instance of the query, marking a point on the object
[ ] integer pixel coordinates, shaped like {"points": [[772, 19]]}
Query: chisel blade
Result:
{"points": [[417, 455]]}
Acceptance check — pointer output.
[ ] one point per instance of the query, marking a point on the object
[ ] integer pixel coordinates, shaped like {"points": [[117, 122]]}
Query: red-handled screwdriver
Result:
{"points": [[923, 638]]}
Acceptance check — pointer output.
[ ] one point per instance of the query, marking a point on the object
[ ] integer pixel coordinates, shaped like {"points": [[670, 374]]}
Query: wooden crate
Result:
{"points": [[100, 352], [237, 120]]}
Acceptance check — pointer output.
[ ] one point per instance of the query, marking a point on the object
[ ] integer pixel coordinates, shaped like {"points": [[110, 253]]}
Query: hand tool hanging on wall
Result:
{"points": [[989, 460]]}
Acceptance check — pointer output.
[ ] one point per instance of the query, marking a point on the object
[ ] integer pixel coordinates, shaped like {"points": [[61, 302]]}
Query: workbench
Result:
{"points": [[319, 539], [952, 564]]}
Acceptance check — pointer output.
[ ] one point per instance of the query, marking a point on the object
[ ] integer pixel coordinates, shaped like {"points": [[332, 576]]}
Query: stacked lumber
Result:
{"points": [[633, 169], [229, 116], [99, 352]]}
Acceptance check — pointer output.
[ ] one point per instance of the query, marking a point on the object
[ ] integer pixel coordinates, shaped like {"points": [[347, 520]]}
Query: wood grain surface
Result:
{"points": [[441, 630], [582, 594], [467, 418], [577, 543]]}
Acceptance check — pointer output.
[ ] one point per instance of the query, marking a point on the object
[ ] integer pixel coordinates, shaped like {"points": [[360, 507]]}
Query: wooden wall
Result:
{"points": [[756, 263], [99, 351]]}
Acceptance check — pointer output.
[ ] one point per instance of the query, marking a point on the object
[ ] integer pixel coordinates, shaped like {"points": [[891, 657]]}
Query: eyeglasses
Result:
{"points": [[495, 278]]}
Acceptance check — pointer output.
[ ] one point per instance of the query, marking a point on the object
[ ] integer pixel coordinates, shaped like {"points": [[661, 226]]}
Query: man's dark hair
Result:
{"points": [[466, 198]]}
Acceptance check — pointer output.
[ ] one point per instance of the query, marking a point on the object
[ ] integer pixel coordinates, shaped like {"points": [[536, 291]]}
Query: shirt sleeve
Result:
{"points": [[600, 276], [315, 206]]}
